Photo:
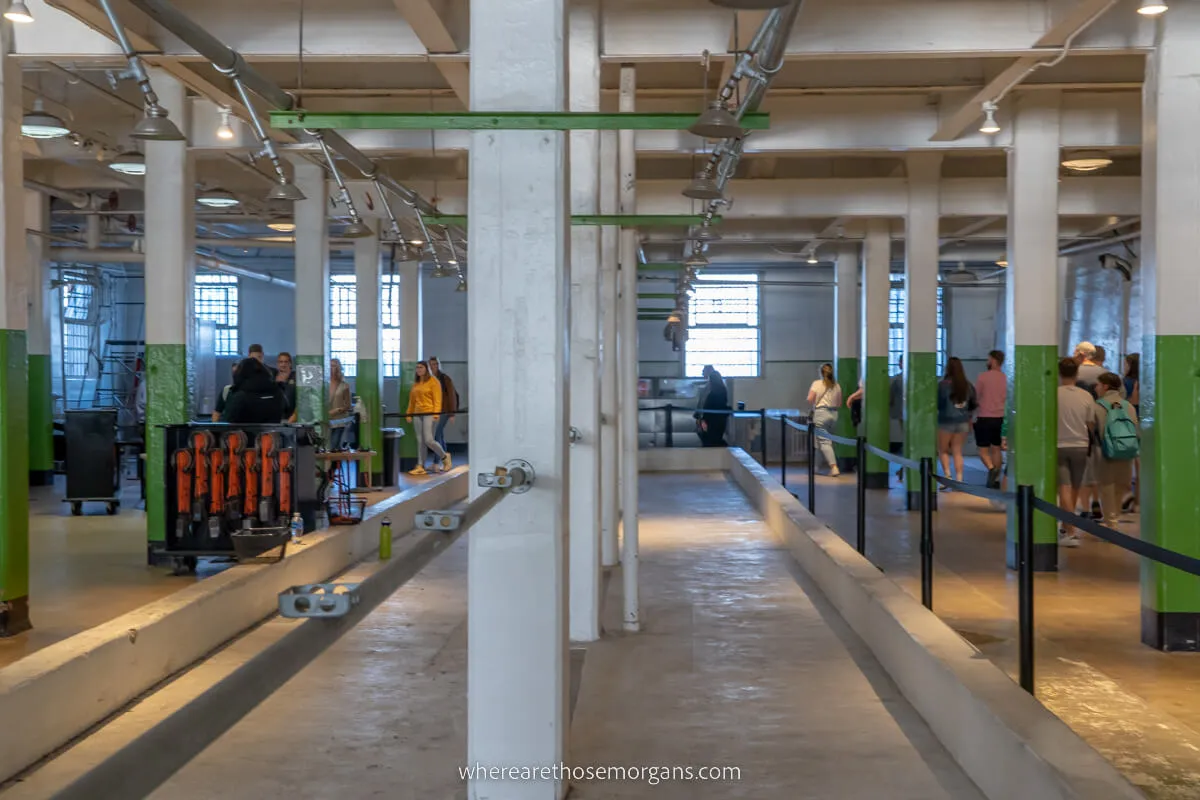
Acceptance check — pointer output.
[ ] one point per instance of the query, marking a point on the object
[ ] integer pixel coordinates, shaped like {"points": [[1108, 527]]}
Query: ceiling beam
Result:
{"points": [[967, 230], [1058, 37], [433, 29]]}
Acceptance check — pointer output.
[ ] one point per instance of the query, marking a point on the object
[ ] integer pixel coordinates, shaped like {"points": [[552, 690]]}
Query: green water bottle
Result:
{"points": [[385, 540]]}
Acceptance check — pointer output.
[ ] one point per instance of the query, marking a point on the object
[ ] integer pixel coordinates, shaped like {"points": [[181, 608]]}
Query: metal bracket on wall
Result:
{"points": [[318, 600], [438, 520], [574, 435]]}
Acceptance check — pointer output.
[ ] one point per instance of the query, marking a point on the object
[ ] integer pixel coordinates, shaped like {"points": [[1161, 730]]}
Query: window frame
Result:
{"points": [[897, 294], [227, 325], [752, 280], [343, 306]]}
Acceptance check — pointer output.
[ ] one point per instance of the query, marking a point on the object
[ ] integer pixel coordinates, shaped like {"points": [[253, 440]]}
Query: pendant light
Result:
{"points": [[18, 12], [38, 124], [716, 123], [131, 163], [989, 126], [703, 187], [1148, 8], [217, 198]]}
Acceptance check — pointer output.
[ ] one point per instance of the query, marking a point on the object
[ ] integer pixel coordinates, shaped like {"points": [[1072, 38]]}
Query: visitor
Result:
{"points": [[339, 391], [714, 398], [956, 402], [1133, 393], [1076, 422], [223, 397], [449, 400], [255, 398], [825, 398], [286, 378], [1117, 431], [1089, 368], [424, 407], [991, 390], [256, 352]]}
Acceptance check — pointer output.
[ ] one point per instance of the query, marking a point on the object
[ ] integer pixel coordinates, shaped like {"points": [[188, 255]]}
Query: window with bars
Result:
{"points": [[343, 322], [216, 299], [77, 330], [896, 326], [390, 325], [723, 326]]}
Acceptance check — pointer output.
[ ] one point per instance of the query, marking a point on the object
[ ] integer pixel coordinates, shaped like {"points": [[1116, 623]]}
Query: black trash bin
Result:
{"points": [[391, 456], [92, 462]]}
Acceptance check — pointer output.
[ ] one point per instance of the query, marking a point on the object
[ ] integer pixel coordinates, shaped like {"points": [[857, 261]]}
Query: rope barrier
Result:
{"points": [[892, 458], [1008, 498]]}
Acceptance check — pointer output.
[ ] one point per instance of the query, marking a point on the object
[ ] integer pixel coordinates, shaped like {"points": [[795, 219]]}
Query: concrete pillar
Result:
{"points": [[628, 355], [920, 314], [14, 398], [610, 451], [1170, 396], [584, 66], [368, 380], [518, 211], [170, 272], [876, 293], [1033, 314], [312, 296], [845, 342], [41, 401], [412, 348]]}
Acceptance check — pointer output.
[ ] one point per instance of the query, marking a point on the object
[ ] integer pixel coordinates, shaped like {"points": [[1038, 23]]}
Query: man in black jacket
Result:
{"points": [[256, 398], [449, 400]]}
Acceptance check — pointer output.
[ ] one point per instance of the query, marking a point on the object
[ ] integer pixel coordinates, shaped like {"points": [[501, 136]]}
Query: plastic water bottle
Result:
{"points": [[297, 526], [385, 540]]}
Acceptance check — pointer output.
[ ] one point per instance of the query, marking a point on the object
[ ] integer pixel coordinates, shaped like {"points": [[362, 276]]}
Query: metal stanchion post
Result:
{"points": [[812, 466], [670, 427], [861, 446], [762, 433], [927, 533], [1025, 585], [783, 450]]}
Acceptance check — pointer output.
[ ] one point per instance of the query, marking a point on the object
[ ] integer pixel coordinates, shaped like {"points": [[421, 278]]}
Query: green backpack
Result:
{"points": [[1119, 439]]}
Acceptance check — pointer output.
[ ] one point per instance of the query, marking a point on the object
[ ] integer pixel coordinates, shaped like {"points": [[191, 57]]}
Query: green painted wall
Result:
{"points": [[408, 443], [368, 385], [41, 415], [1033, 433], [876, 422], [920, 411], [847, 378], [1170, 476], [14, 467], [166, 404]]}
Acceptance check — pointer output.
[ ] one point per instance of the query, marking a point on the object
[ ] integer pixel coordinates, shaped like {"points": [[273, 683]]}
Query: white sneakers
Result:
{"points": [[1067, 539]]}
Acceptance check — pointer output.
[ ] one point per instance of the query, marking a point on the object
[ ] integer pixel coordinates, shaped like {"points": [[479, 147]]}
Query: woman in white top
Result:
{"points": [[825, 398]]}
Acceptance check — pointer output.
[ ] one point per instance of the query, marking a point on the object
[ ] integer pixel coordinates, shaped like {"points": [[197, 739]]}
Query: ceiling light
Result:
{"points": [[1148, 8], [452, 263], [282, 227], [19, 12], [703, 188], [1002, 263], [716, 123], [696, 261], [705, 234], [357, 229], [156, 127], [416, 242], [1087, 162], [285, 191], [439, 271], [812, 258], [462, 284], [37, 124], [129, 164], [989, 125], [217, 198], [225, 130]]}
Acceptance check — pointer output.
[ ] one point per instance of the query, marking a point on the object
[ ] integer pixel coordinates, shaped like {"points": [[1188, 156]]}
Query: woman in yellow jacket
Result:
{"points": [[426, 398]]}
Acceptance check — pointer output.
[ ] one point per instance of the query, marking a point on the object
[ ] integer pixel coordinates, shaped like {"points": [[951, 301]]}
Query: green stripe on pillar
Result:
{"points": [[1033, 445], [14, 485], [920, 413], [847, 378], [166, 404], [408, 443], [1170, 476], [41, 422], [876, 419], [369, 387], [312, 394]]}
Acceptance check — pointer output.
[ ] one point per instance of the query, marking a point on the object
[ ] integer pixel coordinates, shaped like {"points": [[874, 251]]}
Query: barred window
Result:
{"points": [[216, 298], [343, 322], [723, 326], [896, 326]]}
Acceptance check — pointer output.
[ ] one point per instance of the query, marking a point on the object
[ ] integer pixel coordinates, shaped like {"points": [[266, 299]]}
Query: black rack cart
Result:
{"points": [[92, 460]]}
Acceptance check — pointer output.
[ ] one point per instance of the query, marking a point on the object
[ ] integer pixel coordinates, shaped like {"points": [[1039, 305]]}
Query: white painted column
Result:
{"points": [[876, 328], [412, 347], [518, 211], [584, 66], [610, 451], [312, 294], [628, 354], [170, 270], [368, 372]]}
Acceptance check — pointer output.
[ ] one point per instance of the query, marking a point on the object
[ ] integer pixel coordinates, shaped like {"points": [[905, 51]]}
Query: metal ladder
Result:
{"points": [[121, 364]]}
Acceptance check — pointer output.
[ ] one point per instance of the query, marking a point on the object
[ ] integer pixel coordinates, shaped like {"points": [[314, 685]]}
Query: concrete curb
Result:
{"points": [[704, 459], [57, 693], [1010, 745]]}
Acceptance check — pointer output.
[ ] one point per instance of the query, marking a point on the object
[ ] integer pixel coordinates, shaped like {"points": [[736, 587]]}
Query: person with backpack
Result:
{"points": [[1120, 443]]}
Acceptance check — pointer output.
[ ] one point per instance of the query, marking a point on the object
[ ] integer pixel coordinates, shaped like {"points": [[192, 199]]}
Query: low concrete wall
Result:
{"points": [[57, 693], [1010, 745], [683, 459]]}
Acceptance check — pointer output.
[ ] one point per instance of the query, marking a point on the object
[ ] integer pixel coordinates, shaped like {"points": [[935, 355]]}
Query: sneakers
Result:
{"points": [[993, 478], [1067, 539], [833, 473], [446, 462], [418, 471]]}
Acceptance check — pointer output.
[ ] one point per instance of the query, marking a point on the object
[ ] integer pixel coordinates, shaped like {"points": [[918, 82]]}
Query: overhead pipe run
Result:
{"points": [[77, 199], [77, 255], [154, 125]]}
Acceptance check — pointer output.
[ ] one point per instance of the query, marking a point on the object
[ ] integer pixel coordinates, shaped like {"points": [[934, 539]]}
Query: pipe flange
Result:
{"points": [[527, 468]]}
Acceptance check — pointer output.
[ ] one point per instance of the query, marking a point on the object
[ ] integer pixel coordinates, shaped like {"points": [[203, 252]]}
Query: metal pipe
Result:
{"points": [[121, 256], [131, 56], [628, 355], [77, 199], [1100, 245]]}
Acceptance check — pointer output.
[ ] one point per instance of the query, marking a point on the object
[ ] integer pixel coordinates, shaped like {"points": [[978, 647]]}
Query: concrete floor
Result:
{"points": [[1137, 706], [741, 665]]}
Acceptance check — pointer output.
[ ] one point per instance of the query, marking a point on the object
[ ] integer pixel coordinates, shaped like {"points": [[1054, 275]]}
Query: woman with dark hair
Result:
{"points": [[955, 404], [255, 398], [711, 427], [425, 404], [825, 398]]}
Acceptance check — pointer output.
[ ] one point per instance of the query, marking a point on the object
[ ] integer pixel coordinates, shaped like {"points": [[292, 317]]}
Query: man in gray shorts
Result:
{"points": [[1076, 421]]}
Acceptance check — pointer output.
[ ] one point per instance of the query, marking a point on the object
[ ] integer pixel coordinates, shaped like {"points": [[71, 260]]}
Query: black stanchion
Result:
{"points": [[862, 495], [812, 468], [762, 433], [927, 533], [783, 426], [670, 427], [1025, 585]]}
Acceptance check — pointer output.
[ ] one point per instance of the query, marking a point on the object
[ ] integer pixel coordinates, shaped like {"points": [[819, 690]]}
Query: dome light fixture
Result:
{"points": [[18, 12], [989, 126], [705, 234], [225, 129], [282, 226], [38, 124], [1002, 263], [696, 261], [812, 258], [716, 123], [1087, 162], [155, 127], [703, 188], [357, 229], [1148, 8], [462, 283], [217, 198], [129, 164]]}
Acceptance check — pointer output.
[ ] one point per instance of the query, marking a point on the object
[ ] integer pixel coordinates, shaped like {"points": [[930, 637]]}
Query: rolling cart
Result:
{"points": [[93, 463]]}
